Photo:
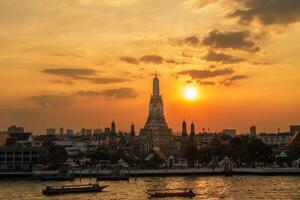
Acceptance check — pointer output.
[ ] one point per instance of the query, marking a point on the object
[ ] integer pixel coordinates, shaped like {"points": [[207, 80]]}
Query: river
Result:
{"points": [[206, 187]]}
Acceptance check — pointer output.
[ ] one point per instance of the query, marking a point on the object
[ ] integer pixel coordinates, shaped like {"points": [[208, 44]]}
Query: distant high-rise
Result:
{"points": [[69, 132], [50, 131], [113, 136], [253, 132], [113, 128], [132, 130], [61, 131], [184, 131], [86, 132]]}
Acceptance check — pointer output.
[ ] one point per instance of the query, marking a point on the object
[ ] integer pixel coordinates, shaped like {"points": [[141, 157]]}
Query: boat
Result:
{"points": [[185, 192], [228, 172], [227, 166], [113, 178], [67, 189], [62, 175], [56, 177], [115, 175]]}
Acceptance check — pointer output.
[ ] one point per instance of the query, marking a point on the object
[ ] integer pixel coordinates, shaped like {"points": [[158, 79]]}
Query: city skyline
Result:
{"points": [[155, 118], [92, 62]]}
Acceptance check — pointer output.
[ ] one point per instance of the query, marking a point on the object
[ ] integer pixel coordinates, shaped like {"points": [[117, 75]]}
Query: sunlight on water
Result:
{"points": [[236, 187]]}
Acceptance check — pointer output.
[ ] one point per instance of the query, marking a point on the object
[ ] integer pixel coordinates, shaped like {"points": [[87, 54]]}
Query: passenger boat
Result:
{"points": [[115, 175], [60, 190], [185, 192], [56, 177]]}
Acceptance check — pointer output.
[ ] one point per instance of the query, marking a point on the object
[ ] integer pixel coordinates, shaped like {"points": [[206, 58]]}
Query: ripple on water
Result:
{"points": [[211, 187]]}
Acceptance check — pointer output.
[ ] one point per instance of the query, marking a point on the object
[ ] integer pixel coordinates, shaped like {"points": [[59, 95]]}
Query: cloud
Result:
{"points": [[51, 100], [260, 63], [70, 72], [155, 59], [203, 74], [64, 82], [76, 54], [117, 93], [193, 41], [176, 62], [83, 74], [235, 40], [130, 60], [103, 80], [206, 83], [268, 12], [222, 58], [233, 79]]}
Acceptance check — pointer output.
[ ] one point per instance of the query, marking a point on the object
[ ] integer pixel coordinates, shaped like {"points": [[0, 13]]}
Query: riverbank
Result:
{"points": [[161, 172]]}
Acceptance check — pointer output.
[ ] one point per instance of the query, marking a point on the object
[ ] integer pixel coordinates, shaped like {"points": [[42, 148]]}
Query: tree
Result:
{"points": [[294, 152], [56, 156], [259, 151], [191, 154]]}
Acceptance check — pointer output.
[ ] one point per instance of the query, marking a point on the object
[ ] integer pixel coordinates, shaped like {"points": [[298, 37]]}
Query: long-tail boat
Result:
{"points": [[66, 189], [179, 192]]}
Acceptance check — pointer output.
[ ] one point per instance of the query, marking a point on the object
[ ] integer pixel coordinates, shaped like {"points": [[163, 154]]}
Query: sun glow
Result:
{"points": [[190, 93]]}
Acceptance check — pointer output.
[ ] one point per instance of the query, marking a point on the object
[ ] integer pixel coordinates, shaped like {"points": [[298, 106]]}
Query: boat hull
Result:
{"points": [[57, 178], [62, 190], [175, 194]]}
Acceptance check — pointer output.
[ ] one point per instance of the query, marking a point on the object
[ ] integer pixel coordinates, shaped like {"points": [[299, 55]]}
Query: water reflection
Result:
{"points": [[212, 187]]}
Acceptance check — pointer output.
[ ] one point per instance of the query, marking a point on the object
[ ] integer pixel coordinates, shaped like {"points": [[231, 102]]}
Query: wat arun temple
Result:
{"points": [[156, 130]]}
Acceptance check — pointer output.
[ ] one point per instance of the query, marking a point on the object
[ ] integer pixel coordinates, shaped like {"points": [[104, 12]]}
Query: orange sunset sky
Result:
{"points": [[84, 63]]}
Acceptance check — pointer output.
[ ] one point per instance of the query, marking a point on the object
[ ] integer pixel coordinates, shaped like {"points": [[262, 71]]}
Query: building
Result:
{"points": [[86, 132], [230, 132], [17, 153], [184, 135], [276, 139], [132, 130], [294, 141], [294, 128], [50, 131], [22, 139], [19, 158], [69, 132], [193, 133], [15, 129], [253, 132], [204, 139], [113, 136], [97, 131], [156, 128], [61, 131], [75, 147]]}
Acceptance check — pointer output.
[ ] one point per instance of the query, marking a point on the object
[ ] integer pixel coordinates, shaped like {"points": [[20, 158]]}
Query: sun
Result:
{"points": [[190, 93]]}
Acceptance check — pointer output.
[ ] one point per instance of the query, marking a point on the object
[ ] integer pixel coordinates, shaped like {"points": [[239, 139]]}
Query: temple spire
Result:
{"points": [[155, 86], [156, 110]]}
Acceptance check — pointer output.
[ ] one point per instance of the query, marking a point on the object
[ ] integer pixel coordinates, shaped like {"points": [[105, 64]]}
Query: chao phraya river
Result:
{"points": [[207, 187]]}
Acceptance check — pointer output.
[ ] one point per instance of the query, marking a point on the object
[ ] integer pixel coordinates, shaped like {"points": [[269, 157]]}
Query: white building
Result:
{"points": [[74, 147], [276, 138]]}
